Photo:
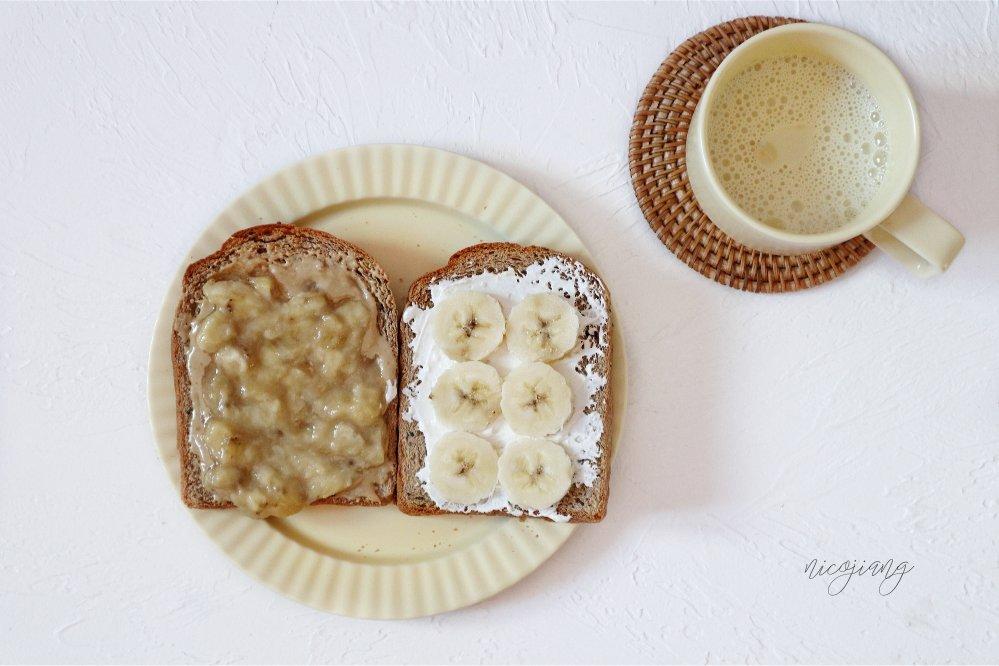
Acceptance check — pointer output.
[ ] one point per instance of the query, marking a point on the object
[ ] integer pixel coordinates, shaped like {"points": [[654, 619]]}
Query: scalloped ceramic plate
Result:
{"points": [[410, 207]]}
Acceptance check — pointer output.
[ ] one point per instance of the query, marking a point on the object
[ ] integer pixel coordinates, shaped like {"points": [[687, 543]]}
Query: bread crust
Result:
{"points": [[582, 504], [377, 486]]}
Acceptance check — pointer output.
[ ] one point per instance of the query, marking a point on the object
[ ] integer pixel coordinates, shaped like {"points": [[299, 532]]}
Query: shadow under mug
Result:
{"points": [[894, 220]]}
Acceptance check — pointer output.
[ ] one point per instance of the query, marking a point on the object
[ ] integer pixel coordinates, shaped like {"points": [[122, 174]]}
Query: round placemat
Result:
{"points": [[657, 158]]}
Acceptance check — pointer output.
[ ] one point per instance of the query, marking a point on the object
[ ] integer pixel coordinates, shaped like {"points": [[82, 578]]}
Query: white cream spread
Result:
{"points": [[580, 436]]}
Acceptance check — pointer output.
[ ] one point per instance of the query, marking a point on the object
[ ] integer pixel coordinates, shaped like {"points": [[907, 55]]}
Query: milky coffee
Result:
{"points": [[799, 143]]}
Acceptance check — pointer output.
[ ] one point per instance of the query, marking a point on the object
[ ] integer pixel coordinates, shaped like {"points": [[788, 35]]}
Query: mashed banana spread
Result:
{"points": [[290, 380]]}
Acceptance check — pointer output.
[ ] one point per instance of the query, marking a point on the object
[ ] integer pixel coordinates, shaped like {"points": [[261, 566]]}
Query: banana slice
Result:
{"points": [[543, 327], [535, 400], [467, 396], [468, 326], [463, 468], [535, 473]]}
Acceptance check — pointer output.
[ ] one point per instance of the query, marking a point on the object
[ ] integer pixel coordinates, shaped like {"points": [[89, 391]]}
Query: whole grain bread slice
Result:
{"points": [[277, 242], [582, 504]]}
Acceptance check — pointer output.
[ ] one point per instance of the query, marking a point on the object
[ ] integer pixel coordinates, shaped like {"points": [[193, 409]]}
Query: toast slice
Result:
{"points": [[584, 502], [279, 242]]}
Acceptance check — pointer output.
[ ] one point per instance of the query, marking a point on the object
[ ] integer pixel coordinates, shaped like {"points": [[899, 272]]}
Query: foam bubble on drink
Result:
{"points": [[799, 143]]}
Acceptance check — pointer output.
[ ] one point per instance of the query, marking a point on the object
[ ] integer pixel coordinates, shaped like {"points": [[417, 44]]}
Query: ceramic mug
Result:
{"points": [[894, 220]]}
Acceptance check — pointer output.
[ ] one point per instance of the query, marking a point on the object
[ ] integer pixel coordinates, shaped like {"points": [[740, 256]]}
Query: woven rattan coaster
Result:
{"points": [[656, 154]]}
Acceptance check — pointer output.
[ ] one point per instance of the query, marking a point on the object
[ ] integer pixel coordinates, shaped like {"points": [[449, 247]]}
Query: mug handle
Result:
{"points": [[917, 237]]}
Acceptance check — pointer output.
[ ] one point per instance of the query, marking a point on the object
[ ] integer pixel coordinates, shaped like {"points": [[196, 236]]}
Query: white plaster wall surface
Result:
{"points": [[859, 420]]}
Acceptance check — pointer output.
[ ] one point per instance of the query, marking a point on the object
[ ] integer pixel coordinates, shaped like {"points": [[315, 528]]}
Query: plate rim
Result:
{"points": [[370, 590]]}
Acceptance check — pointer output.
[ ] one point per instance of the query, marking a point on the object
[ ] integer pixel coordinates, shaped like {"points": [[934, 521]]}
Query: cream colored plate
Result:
{"points": [[411, 208]]}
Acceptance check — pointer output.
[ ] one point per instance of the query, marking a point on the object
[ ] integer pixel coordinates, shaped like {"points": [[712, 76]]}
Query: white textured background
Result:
{"points": [[857, 420]]}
